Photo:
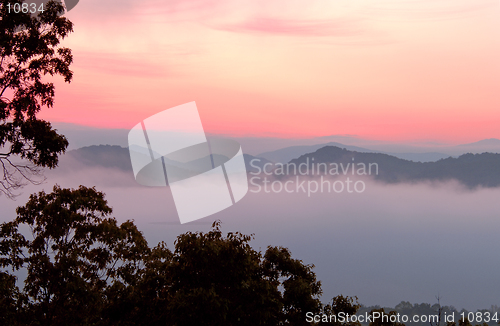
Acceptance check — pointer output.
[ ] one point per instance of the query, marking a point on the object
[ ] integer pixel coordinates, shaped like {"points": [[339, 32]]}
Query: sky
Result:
{"points": [[400, 70]]}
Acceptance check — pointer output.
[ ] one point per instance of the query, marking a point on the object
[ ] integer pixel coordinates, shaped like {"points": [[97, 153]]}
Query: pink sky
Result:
{"points": [[390, 70]]}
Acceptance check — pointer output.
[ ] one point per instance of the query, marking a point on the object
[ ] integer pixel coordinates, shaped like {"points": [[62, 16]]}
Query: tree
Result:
{"points": [[300, 287], [219, 280], [342, 304], [9, 298], [146, 300], [381, 318], [77, 255], [212, 279], [85, 269], [439, 312], [29, 50]]}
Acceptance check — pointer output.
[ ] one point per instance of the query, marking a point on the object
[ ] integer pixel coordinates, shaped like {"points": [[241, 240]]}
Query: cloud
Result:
{"points": [[426, 10], [175, 10], [111, 64], [296, 27], [200, 7], [121, 64]]}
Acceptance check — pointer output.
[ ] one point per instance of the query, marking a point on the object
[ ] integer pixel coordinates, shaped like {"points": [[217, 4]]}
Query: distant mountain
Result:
{"points": [[288, 153], [105, 156], [484, 142], [117, 157], [471, 170], [491, 145], [420, 157]]}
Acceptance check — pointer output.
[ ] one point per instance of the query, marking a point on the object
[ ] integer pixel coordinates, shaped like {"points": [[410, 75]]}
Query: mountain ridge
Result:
{"points": [[472, 170]]}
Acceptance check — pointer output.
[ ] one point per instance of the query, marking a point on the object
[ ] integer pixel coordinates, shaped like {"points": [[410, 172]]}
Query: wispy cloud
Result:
{"points": [[165, 61], [295, 27], [155, 10], [115, 64], [201, 7], [426, 9]]}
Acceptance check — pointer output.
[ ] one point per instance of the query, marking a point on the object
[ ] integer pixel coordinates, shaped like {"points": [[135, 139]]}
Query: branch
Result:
{"points": [[10, 182]]}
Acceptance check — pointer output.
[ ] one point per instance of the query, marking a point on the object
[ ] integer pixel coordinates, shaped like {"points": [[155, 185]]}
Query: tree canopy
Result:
{"points": [[29, 50], [84, 268]]}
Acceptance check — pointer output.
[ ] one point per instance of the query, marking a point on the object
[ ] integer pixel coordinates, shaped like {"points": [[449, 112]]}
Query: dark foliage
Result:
{"points": [[83, 268], [29, 50]]}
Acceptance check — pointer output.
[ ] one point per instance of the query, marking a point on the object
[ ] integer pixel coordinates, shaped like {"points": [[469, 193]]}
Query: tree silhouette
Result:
{"points": [[85, 269], [384, 319], [75, 255], [212, 279], [345, 305], [29, 50]]}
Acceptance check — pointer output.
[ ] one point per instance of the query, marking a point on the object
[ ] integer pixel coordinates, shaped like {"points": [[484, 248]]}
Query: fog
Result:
{"points": [[390, 243]]}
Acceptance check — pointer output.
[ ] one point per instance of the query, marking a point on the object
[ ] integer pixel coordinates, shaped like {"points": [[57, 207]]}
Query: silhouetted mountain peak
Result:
{"points": [[470, 169]]}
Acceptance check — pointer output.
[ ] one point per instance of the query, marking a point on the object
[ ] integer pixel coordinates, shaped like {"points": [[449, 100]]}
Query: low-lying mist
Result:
{"points": [[389, 243]]}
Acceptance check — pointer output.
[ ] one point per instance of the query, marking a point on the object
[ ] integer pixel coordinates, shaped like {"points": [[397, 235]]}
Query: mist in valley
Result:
{"points": [[389, 243]]}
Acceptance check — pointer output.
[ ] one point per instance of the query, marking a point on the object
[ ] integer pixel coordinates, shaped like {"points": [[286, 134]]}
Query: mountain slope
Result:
{"points": [[286, 154], [470, 169]]}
